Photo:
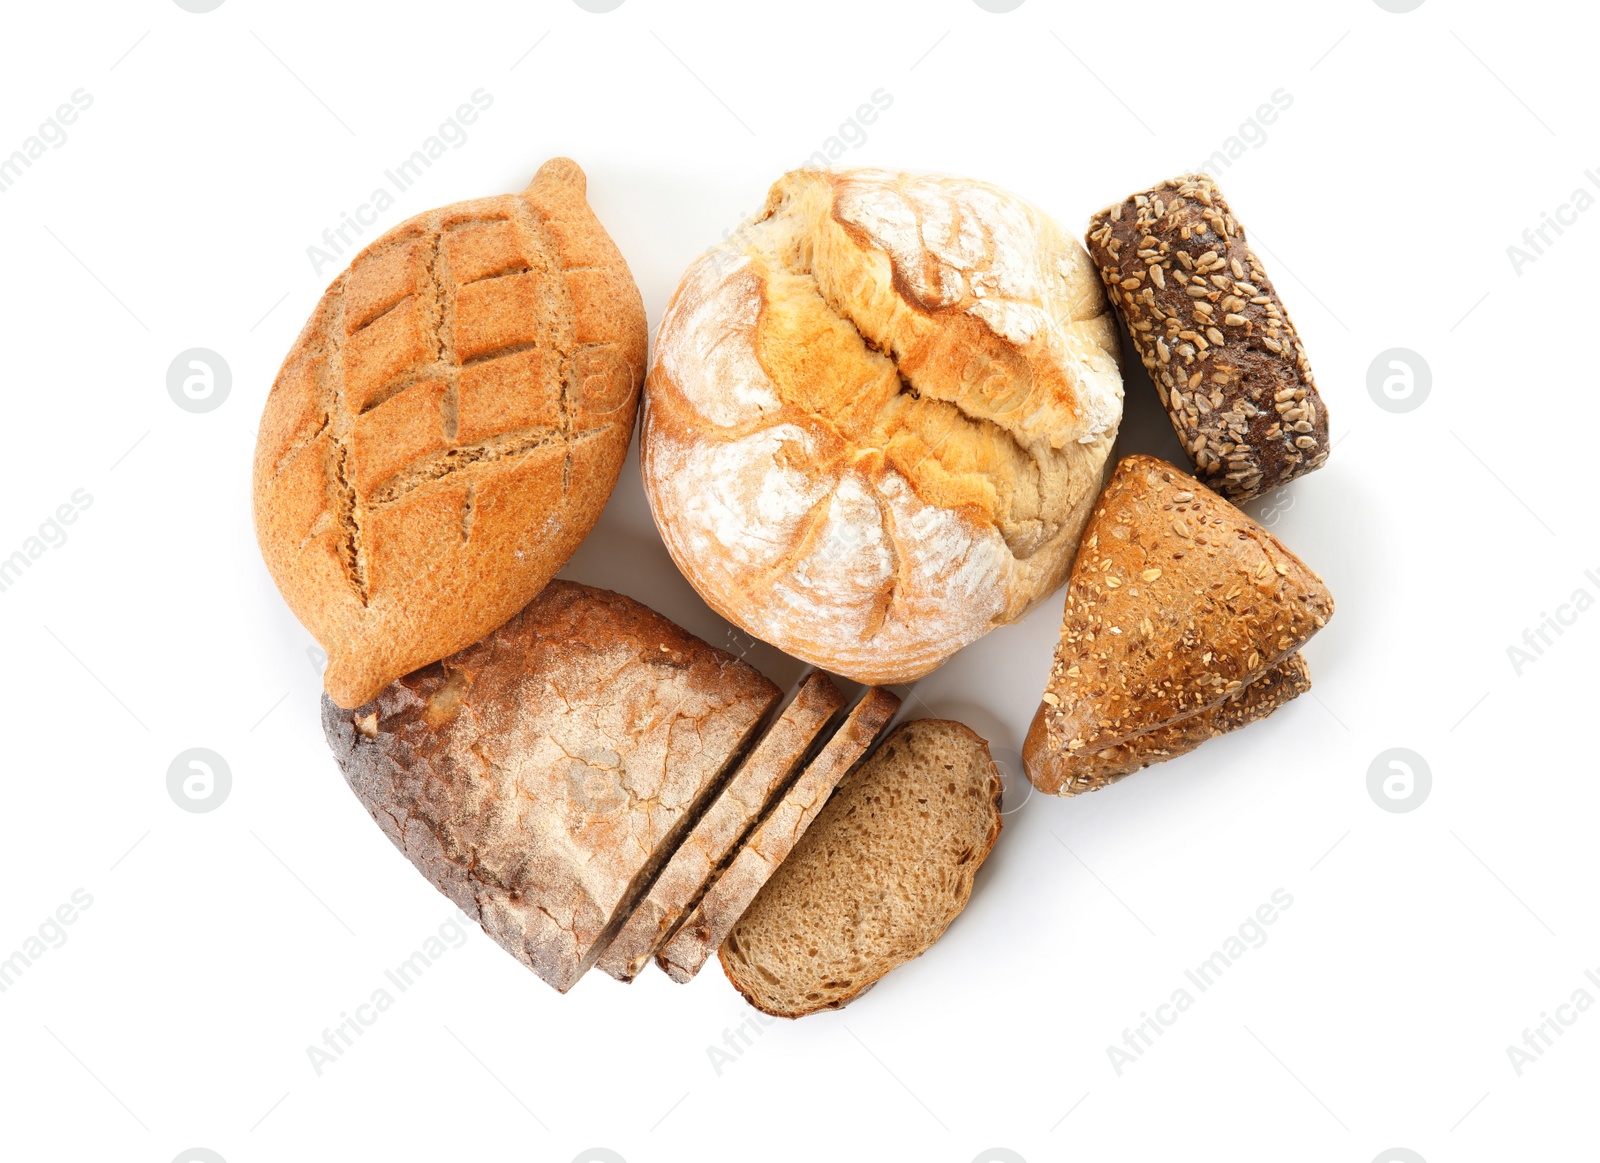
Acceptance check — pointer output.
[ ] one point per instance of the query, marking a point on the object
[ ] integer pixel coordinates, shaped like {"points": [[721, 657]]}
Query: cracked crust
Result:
{"points": [[751, 791], [1214, 336], [1177, 601], [1072, 774], [781, 828], [541, 777], [878, 417], [447, 427], [877, 879]]}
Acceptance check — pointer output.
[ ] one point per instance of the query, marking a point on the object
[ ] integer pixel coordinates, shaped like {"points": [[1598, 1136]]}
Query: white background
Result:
{"points": [[178, 1010]]}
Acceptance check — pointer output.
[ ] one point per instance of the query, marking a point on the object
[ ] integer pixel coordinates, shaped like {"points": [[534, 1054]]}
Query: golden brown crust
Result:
{"points": [[1065, 774], [447, 427], [781, 828], [878, 417], [541, 777], [1214, 336], [1177, 600]]}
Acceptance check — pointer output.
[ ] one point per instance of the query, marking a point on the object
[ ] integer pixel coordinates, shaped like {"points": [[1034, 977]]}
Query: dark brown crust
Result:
{"points": [[1068, 775], [541, 777], [1177, 600], [1236, 381]]}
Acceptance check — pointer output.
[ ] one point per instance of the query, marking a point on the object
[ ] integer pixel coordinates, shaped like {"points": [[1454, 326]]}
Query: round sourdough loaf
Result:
{"points": [[448, 427], [878, 417]]}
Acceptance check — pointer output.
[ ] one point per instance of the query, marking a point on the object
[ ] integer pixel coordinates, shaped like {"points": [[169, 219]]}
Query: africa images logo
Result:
{"points": [[199, 380]]}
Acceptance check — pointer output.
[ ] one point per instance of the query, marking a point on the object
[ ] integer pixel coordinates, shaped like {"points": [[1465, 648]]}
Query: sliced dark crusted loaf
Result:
{"points": [[541, 777], [1213, 334], [876, 879]]}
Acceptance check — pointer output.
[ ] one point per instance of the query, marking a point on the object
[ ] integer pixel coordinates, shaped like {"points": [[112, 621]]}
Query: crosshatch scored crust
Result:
{"points": [[542, 777], [447, 427], [1177, 601], [878, 417], [1214, 336], [761, 777], [727, 897]]}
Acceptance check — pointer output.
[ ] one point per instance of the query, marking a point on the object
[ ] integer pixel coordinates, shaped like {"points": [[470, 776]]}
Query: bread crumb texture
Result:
{"points": [[769, 844], [448, 427], [761, 777], [878, 417], [886, 867], [1178, 602], [541, 777]]}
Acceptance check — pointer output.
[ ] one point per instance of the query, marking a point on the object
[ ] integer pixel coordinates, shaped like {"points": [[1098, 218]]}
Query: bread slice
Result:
{"points": [[768, 769], [1177, 600], [541, 777], [1070, 774], [774, 838], [878, 877]]}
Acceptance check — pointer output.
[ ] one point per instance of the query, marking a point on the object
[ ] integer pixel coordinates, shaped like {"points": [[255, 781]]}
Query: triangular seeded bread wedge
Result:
{"points": [[1176, 601], [542, 776], [876, 879], [1070, 774], [769, 767], [774, 838]]}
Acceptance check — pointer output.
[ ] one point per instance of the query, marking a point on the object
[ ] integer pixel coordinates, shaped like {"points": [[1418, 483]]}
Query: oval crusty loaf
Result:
{"points": [[878, 877], [878, 417], [541, 777], [1177, 602], [448, 427], [1214, 336]]}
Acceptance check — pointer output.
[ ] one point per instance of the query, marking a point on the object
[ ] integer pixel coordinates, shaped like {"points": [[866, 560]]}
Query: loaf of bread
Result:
{"points": [[1177, 602], [1068, 774], [763, 775], [877, 878], [447, 428], [543, 776], [878, 416], [1214, 336], [764, 851]]}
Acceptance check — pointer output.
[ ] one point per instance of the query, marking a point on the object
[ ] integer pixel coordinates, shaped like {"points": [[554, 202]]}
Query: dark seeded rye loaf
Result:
{"points": [[1213, 334], [878, 877]]}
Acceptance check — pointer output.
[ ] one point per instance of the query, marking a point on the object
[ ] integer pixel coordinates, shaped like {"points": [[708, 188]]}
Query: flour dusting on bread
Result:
{"points": [[877, 416]]}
